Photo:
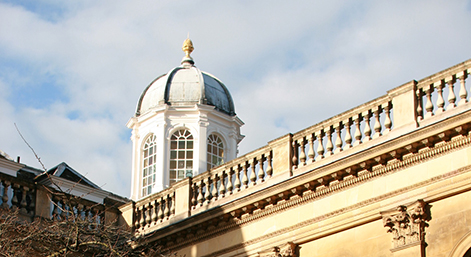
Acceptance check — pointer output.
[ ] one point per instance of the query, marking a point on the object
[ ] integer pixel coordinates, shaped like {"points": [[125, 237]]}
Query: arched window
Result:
{"points": [[148, 166], [215, 155], [181, 155]]}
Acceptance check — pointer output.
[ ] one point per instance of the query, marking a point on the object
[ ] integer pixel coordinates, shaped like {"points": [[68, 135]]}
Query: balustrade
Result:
{"points": [[17, 196], [154, 209], [431, 92], [335, 135], [231, 178]]}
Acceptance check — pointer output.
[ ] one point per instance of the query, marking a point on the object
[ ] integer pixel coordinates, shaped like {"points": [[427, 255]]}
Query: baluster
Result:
{"points": [[162, 204], [194, 195], [136, 221], [201, 192], [338, 141], [6, 184], [261, 171], [302, 153], [429, 105], [440, 102], [149, 212], [237, 179], [222, 186], [451, 92], [329, 146], [14, 199], [63, 209], [172, 203], [23, 202], [387, 119], [216, 181], [55, 212], [209, 193], [367, 130], [463, 92], [311, 153], [168, 206], [377, 127], [245, 179], [142, 222], [348, 133], [269, 167], [155, 213], [295, 154], [357, 118], [420, 111], [320, 147], [229, 181], [253, 176], [32, 202]]}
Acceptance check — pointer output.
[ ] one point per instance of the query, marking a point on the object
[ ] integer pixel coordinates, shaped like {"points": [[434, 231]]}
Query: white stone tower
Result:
{"points": [[185, 124]]}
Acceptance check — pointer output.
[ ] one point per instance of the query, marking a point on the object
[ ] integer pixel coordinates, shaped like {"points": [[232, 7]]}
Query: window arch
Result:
{"points": [[149, 164], [215, 153], [181, 155]]}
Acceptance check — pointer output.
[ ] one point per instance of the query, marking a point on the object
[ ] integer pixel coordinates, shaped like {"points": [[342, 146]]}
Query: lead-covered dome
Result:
{"points": [[186, 85]]}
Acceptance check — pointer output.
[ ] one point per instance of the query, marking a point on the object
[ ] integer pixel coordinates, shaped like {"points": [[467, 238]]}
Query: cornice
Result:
{"points": [[297, 196]]}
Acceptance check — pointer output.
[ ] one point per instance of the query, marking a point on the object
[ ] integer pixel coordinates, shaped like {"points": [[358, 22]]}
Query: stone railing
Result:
{"points": [[342, 132], [390, 116], [154, 209], [17, 195], [431, 91]]}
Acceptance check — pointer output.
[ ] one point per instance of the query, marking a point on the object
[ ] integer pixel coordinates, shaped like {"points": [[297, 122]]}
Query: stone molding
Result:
{"points": [[405, 160], [286, 250], [407, 224]]}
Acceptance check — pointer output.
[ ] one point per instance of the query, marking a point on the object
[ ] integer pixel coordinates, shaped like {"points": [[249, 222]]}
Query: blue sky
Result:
{"points": [[71, 72]]}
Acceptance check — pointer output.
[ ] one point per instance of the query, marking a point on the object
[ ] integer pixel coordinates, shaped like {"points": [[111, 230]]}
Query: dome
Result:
{"points": [[186, 85]]}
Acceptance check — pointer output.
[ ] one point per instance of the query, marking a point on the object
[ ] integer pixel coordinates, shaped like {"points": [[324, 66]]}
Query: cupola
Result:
{"points": [[185, 123]]}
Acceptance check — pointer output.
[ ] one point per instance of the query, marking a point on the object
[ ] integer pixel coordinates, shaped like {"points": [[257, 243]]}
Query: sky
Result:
{"points": [[71, 72]]}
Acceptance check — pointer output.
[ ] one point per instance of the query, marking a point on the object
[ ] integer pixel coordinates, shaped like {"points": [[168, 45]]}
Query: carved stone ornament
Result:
{"points": [[407, 224], [287, 250]]}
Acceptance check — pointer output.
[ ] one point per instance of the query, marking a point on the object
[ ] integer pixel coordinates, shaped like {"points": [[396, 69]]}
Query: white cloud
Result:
{"points": [[287, 65]]}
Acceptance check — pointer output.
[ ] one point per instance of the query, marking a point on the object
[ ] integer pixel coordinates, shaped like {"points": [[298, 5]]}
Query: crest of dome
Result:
{"points": [[186, 85]]}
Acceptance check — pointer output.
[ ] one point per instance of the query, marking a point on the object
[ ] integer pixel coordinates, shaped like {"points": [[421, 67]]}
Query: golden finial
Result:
{"points": [[188, 47]]}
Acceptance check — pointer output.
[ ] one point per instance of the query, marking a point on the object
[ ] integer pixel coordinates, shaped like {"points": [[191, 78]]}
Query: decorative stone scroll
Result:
{"points": [[287, 250], [407, 224]]}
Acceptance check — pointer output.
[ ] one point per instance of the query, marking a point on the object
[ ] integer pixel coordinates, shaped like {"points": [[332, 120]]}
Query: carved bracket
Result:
{"points": [[407, 224], [287, 250]]}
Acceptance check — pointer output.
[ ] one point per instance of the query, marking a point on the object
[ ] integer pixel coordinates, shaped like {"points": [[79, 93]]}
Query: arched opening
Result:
{"points": [[181, 155], [149, 153], [215, 151]]}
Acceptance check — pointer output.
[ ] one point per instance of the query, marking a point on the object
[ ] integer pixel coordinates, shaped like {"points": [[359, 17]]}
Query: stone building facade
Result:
{"points": [[391, 177]]}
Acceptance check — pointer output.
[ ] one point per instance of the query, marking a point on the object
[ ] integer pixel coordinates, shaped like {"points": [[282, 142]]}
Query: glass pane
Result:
{"points": [[190, 145], [189, 154], [189, 164], [181, 174], [145, 153], [173, 164], [181, 164], [173, 145], [181, 155], [208, 167], [181, 144], [173, 154], [209, 148], [146, 162], [172, 174]]}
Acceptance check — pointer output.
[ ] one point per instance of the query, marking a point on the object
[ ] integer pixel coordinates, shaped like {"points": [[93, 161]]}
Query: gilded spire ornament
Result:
{"points": [[187, 47]]}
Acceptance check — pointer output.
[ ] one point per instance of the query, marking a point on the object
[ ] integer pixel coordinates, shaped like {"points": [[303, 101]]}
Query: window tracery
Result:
{"points": [[181, 155], [149, 165], [215, 151]]}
